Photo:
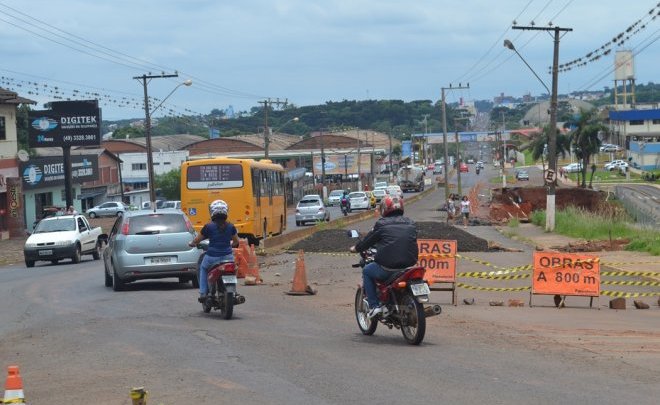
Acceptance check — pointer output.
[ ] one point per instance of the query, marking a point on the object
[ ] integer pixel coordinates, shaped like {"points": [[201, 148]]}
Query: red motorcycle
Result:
{"points": [[222, 281], [404, 295]]}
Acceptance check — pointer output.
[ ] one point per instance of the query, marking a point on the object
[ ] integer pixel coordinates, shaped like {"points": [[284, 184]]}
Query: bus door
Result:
{"points": [[256, 192]]}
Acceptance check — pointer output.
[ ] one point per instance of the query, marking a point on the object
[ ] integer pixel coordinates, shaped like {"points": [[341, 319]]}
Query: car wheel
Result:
{"points": [[55, 261], [76, 255], [117, 283], [297, 223], [96, 254], [29, 263], [92, 215]]}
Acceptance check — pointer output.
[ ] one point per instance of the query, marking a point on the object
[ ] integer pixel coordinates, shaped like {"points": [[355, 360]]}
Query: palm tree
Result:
{"points": [[584, 139], [539, 145]]}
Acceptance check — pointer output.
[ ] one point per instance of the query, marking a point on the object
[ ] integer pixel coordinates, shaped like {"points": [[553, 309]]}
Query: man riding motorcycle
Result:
{"points": [[345, 202], [395, 238]]}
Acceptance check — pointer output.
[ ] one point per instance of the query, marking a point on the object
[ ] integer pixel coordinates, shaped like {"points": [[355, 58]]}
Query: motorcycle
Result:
{"points": [[404, 295], [345, 209], [222, 281]]}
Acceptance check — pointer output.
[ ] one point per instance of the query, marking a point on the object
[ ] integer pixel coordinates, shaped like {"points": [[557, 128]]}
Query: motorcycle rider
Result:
{"points": [[395, 238], [345, 201], [222, 236]]}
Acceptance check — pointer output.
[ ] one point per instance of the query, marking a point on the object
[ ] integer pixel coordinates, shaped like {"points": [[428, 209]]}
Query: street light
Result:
{"points": [[509, 44], [267, 135], [147, 113]]}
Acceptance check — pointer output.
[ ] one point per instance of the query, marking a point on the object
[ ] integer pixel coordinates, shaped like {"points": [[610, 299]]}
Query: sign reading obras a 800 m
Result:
{"points": [[557, 273]]}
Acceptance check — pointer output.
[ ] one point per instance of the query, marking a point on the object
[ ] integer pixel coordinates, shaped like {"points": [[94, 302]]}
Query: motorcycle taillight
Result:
{"points": [[229, 268], [417, 272]]}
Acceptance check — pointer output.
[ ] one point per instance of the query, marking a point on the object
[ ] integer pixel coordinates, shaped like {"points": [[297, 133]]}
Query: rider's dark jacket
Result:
{"points": [[395, 238]]}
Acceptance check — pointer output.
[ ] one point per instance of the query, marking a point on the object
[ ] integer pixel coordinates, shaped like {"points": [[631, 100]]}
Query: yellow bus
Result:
{"points": [[253, 189]]}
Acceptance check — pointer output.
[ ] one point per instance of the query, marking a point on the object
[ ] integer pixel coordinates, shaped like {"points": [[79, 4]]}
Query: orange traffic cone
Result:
{"points": [[252, 275], [14, 387], [241, 263], [299, 285]]}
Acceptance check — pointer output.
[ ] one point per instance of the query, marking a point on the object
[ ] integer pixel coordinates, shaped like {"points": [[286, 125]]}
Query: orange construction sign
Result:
{"points": [[557, 273], [438, 257]]}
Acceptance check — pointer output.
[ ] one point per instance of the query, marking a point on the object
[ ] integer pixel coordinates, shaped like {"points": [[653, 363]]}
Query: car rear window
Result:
{"points": [[309, 203], [356, 195], [156, 223]]}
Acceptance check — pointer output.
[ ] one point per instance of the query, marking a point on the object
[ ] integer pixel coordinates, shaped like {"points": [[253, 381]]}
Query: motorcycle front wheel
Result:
{"points": [[413, 320], [228, 305], [367, 326]]}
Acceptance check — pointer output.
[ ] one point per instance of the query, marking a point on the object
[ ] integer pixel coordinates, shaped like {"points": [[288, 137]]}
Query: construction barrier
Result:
{"points": [[438, 257], [565, 274]]}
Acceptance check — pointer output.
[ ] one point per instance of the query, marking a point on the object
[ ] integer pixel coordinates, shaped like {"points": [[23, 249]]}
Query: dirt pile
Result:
{"points": [[337, 240], [520, 202], [593, 246]]}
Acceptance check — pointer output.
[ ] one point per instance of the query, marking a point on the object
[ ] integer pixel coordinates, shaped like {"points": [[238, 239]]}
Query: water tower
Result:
{"points": [[624, 75]]}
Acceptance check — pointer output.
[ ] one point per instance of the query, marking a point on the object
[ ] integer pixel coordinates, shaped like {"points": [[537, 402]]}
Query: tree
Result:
{"points": [[584, 139], [170, 184], [539, 148]]}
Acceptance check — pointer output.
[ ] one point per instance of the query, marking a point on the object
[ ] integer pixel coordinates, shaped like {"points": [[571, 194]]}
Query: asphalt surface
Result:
{"points": [[77, 341]]}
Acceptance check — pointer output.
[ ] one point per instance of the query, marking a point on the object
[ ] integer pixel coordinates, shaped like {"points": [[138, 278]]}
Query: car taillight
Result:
{"points": [[125, 228], [321, 209], [189, 226]]}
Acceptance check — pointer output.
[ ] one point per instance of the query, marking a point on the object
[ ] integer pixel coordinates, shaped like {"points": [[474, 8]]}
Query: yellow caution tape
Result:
{"points": [[472, 287], [619, 294], [641, 283], [626, 263], [630, 273], [494, 275]]}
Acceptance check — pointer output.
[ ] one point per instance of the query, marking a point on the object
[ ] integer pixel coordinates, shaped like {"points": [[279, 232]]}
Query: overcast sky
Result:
{"points": [[309, 52]]}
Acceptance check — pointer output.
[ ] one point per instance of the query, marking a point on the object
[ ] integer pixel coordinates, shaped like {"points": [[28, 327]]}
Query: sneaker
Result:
{"points": [[379, 310]]}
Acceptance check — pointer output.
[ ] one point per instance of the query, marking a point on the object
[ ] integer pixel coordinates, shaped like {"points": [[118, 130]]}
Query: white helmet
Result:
{"points": [[218, 207]]}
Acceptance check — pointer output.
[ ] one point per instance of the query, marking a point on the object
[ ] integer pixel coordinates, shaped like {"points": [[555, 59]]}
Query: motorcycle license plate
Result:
{"points": [[45, 252], [420, 289], [229, 280]]}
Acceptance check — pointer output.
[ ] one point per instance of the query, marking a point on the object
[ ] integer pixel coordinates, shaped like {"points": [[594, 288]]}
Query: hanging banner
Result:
{"points": [[343, 164]]}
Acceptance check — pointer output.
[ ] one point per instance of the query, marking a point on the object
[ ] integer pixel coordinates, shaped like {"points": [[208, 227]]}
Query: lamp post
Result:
{"points": [[550, 178], [267, 135], [150, 160]]}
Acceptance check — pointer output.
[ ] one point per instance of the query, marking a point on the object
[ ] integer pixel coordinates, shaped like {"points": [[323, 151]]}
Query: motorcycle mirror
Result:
{"points": [[353, 234]]}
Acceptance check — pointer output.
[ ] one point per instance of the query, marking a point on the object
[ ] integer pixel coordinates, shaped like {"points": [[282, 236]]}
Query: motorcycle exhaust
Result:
{"points": [[239, 299], [432, 310]]}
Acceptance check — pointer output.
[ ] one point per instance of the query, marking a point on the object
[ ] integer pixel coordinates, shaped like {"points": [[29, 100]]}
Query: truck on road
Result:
{"points": [[411, 178]]}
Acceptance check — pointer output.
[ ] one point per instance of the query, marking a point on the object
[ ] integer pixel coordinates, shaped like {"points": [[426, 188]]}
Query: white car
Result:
{"points": [[615, 164], [395, 190], [380, 184], [573, 168], [335, 197], [359, 201]]}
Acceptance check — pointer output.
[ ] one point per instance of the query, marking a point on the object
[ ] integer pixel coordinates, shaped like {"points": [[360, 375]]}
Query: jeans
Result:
{"points": [[207, 263], [372, 272]]}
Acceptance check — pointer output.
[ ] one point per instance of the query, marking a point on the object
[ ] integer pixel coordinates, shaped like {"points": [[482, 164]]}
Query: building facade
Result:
{"points": [[639, 131]]}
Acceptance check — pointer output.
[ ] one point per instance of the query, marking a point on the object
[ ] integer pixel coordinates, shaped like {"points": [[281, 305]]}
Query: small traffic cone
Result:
{"points": [[139, 396], [299, 285], [241, 263], [252, 274], [13, 387]]}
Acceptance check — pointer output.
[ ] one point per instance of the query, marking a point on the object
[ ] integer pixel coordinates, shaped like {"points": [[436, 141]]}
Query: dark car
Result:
{"points": [[150, 245]]}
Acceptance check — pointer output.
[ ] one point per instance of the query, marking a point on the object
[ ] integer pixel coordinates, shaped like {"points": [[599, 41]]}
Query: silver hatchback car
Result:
{"points": [[150, 245], [311, 209]]}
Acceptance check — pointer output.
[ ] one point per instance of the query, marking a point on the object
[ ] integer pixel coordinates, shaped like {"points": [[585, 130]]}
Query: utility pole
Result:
{"points": [[266, 104], [359, 179], [458, 156], [444, 132], [390, 171], [551, 178], [424, 141], [503, 152], [145, 79]]}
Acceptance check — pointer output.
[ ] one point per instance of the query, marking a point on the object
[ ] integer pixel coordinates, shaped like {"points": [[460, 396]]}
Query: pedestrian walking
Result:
{"points": [[465, 210], [450, 207]]}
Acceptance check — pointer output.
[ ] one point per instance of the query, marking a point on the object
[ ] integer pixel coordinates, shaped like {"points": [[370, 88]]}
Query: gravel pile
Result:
{"points": [[337, 240]]}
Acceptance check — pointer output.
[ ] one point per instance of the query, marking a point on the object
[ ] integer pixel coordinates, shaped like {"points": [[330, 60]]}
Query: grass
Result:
{"points": [[588, 225], [514, 223], [498, 179]]}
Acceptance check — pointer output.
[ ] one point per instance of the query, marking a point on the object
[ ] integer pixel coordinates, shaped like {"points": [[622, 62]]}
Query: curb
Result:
{"points": [[280, 242]]}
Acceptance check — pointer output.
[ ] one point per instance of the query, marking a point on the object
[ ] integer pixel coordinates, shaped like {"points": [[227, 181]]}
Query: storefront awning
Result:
{"points": [[93, 194], [133, 180]]}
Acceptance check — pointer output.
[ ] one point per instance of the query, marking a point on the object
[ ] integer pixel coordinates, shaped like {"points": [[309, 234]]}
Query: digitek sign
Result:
{"points": [[49, 171], [69, 123]]}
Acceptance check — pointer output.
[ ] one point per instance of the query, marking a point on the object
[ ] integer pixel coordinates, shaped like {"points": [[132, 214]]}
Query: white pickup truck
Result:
{"points": [[63, 237]]}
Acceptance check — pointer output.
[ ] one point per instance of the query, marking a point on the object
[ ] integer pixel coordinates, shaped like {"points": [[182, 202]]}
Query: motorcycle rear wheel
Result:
{"points": [[228, 305], [413, 320], [367, 326]]}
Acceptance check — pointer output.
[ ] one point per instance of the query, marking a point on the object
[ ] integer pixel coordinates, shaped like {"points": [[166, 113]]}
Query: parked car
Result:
{"points": [[379, 193], [615, 164], [108, 209], [358, 200], [335, 197], [310, 208], [572, 167], [522, 175], [464, 168], [608, 147], [150, 245], [171, 204]]}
